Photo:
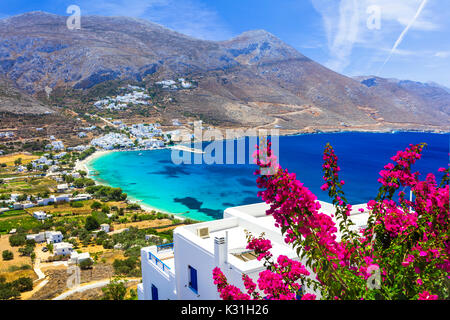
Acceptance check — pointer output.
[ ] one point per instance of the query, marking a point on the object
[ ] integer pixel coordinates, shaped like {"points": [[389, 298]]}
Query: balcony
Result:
{"points": [[163, 257]]}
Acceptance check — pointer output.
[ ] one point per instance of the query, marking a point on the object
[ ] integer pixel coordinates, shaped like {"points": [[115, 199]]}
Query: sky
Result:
{"points": [[403, 39]]}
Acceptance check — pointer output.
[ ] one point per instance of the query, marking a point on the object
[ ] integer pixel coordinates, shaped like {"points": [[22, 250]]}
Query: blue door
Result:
{"points": [[154, 292], [193, 279]]}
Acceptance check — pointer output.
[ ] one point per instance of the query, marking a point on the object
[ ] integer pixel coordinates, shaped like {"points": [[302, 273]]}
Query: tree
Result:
{"points": [[68, 178], [115, 290], [91, 224], [18, 162], [17, 240], [82, 173], [86, 264], [96, 205], [105, 209], [7, 255], [405, 242], [23, 284], [29, 166], [50, 247]]}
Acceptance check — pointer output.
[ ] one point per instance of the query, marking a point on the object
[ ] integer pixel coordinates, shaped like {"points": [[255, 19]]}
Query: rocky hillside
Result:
{"points": [[15, 101], [254, 79]]}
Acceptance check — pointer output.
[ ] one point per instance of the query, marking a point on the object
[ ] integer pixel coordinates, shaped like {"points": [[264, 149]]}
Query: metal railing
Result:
{"points": [[164, 247], [158, 262]]}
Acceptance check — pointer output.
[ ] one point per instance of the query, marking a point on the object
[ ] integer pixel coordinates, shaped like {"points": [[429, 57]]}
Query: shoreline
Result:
{"points": [[84, 164]]}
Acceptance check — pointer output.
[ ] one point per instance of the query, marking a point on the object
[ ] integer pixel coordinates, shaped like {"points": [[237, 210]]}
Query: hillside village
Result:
{"points": [[53, 215]]}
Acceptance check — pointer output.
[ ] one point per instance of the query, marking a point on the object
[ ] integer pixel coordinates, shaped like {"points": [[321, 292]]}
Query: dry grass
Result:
{"points": [[14, 275], [17, 261], [146, 224], [10, 158], [64, 209], [110, 256]]}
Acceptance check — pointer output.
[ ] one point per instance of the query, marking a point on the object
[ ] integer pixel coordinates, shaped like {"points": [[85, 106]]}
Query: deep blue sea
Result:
{"points": [[202, 191]]}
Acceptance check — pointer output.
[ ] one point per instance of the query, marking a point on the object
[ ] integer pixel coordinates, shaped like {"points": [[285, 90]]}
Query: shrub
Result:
{"points": [[7, 255], [17, 240], [77, 204], [86, 264], [91, 224], [402, 253]]}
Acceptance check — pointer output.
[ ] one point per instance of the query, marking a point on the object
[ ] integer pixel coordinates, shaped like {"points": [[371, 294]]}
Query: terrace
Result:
{"points": [[163, 257]]}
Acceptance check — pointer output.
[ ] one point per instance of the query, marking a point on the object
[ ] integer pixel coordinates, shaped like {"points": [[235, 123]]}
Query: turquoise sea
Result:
{"points": [[202, 191]]}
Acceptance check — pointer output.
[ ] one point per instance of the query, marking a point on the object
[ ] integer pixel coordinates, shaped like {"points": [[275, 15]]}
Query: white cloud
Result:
{"points": [[442, 54]]}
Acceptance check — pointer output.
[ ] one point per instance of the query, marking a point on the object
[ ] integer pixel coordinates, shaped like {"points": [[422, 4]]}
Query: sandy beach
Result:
{"points": [[82, 165]]}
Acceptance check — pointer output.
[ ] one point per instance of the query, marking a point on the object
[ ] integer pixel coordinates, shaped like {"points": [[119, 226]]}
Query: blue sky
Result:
{"points": [[343, 35]]}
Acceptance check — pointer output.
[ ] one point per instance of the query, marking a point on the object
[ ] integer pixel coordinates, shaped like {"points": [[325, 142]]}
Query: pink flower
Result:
{"points": [[427, 296], [308, 296]]}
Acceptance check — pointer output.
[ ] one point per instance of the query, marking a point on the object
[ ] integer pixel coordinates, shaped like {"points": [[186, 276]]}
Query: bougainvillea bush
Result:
{"points": [[403, 253]]}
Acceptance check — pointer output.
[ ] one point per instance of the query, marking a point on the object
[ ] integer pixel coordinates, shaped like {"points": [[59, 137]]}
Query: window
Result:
{"points": [[154, 292], [193, 279]]}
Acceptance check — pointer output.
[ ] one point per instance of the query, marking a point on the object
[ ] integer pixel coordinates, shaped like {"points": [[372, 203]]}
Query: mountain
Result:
{"points": [[15, 101], [254, 79]]}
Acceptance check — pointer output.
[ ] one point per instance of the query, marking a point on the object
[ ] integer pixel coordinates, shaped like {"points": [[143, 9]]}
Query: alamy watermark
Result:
{"points": [[74, 278], [73, 22], [229, 148], [374, 281], [373, 22]]}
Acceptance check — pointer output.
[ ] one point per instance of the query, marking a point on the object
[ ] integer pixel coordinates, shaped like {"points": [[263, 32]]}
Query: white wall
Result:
{"points": [[152, 274], [187, 253]]}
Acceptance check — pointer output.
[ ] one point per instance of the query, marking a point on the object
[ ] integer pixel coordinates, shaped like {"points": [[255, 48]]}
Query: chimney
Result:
{"points": [[221, 250]]}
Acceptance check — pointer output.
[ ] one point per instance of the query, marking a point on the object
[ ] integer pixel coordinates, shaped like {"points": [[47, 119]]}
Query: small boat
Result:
{"points": [[140, 154]]}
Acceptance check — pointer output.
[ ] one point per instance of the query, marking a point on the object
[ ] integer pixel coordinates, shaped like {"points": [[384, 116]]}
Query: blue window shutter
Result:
{"points": [[193, 274], [154, 292]]}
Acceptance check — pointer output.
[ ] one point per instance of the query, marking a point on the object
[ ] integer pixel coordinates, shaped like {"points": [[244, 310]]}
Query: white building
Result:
{"points": [[48, 236], [40, 215], [59, 155], [104, 227], [54, 199], [81, 197], [112, 141], [54, 236], [28, 205], [56, 145], [62, 187], [76, 257], [62, 249], [183, 271]]}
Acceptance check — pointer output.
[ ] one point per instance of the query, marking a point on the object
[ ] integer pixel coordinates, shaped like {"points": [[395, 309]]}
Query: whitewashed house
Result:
{"points": [[62, 187], [40, 215], [38, 237], [62, 249], [183, 270], [54, 236], [47, 236], [104, 227], [77, 258], [81, 197]]}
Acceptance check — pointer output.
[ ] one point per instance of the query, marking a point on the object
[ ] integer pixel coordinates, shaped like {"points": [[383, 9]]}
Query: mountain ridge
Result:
{"points": [[254, 78]]}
